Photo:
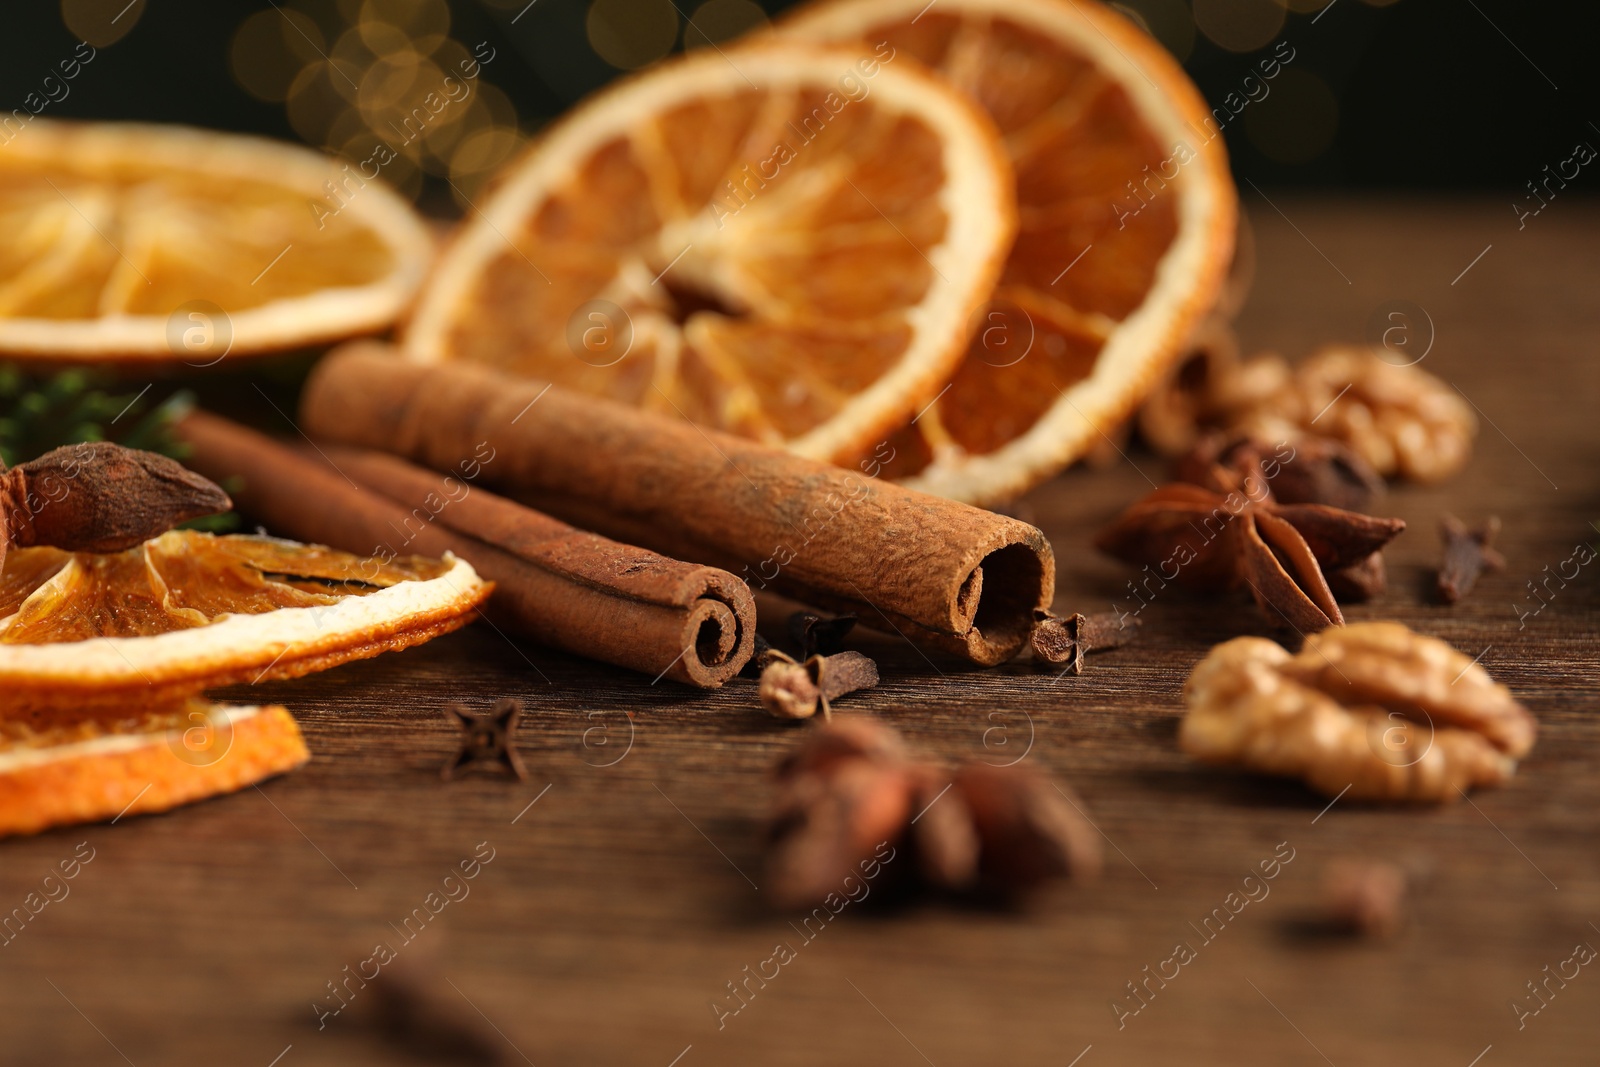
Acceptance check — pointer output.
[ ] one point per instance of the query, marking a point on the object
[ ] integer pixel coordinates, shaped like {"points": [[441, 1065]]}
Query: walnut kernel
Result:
{"points": [[1401, 419], [1372, 711]]}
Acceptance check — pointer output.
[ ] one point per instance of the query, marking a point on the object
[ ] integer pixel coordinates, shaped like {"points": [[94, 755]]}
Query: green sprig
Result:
{"points": [[38, 413]]}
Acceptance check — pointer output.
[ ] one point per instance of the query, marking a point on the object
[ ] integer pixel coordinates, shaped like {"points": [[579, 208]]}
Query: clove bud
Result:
{"points": [[100, 497], [1066, 639], [791, 690], [1467, 554]]}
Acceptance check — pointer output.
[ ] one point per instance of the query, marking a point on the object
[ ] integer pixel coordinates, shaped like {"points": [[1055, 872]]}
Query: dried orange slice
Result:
{"points": [[1126, 227], [188, 611], [781, 241], [97, 769], [133, 242]]}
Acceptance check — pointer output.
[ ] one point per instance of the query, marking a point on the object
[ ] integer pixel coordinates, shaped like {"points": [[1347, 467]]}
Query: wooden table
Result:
{"points": [[619, 905]]}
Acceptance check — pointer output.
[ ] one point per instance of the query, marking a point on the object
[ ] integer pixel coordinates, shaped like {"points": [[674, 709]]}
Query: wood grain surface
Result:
{"points": [[619, 905]]}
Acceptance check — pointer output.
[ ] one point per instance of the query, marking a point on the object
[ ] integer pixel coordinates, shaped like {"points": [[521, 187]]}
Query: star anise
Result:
{"points": [[1232, 532]]}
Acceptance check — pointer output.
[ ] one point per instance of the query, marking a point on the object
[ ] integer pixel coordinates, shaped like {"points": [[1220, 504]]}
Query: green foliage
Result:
{"points": [[38, 414], [73, 406]]}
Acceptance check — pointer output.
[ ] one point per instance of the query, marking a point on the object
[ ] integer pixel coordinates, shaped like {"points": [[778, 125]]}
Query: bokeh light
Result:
{"points": [[1297, 122], [403, 25], [101, 22], [1168, 21], [314, 104], [629, 34], [269, 49], [1240, 25], [392, 91], [716, 21]]}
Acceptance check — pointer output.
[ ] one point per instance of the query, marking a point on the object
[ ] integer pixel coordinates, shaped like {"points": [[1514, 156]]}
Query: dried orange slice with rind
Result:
{"points": [[1127, 216], [129, 242], [188, 611], [781, 241], [99, 769]]}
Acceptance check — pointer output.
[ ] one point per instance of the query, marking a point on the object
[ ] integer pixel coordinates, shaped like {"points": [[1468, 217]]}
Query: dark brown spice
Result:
{"points": [[851, 797], [100, 497], [1326, 471], [943, 835], [486, 738], [1065, 640], [1467, 554], [819, 635], [1030, 831], [758, 658], [1053, 642], [791, 690], [1361, 581], [1309, 470], [843, 800], [1237, 534], [1364, 897]]}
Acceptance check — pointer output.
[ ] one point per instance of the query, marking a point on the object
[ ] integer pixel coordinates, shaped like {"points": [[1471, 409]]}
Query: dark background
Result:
{"points": [[1413, 94]]}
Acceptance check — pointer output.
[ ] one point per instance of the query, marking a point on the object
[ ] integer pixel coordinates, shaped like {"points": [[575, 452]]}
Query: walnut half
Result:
{"points": [[1373, 708]]}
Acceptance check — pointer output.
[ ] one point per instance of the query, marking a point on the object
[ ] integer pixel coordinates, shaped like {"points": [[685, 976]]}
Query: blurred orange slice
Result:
{"points": [[781, 241], [133, 242], [188, 611], [102, 769], [1126, 227]]}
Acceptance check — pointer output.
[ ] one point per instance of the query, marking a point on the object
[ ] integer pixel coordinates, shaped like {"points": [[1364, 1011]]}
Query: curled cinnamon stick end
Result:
{"points": [[949, 577], [690, 623], [563, 587]]}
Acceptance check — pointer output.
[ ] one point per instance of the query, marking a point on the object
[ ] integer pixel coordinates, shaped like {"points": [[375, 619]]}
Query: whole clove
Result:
{"points": [[487, 738], [791, 690], [100, 497], [1467, 554], [1066, 639]]}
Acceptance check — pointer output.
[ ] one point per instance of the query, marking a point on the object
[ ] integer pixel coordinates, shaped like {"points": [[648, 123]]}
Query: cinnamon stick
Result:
{"points": [[561, 586], [948, 576]]}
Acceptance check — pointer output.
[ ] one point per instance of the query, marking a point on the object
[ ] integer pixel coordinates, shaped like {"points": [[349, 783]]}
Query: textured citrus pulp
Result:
{"points": [[110, 229], [1126, 224], [188, 611], [782, 241], [94, 768]]}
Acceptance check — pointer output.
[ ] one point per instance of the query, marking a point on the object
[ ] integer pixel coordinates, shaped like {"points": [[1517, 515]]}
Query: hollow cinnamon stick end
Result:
{"points": [[1018, 584]]}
